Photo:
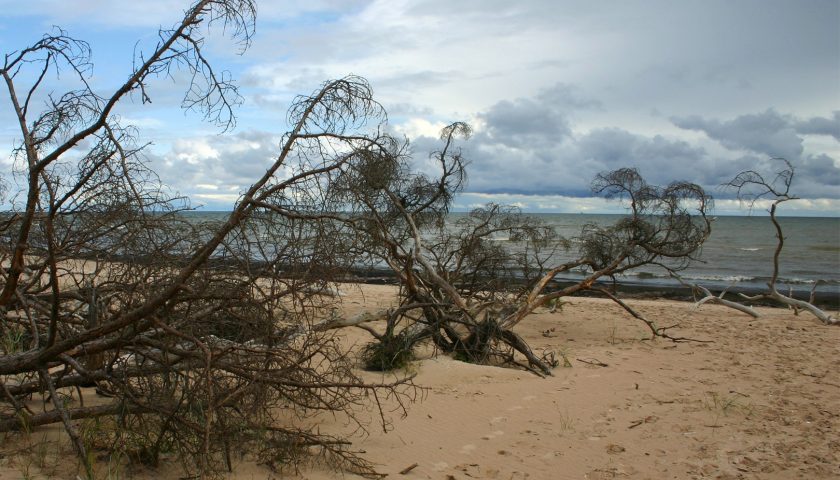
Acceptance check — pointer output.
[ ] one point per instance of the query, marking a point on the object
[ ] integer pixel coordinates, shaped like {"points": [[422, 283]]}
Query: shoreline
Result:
{"points": [[640, 290], [631, 289]]}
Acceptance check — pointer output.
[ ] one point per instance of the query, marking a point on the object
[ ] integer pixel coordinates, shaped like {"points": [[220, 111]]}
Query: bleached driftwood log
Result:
{"points": [[709, 297]]}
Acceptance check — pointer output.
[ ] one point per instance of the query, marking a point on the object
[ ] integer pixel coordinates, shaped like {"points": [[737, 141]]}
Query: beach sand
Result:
{"points": [[761, 401]]}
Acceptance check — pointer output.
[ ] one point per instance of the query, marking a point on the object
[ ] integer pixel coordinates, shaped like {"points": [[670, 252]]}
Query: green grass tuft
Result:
{"points": [[390, 352]]}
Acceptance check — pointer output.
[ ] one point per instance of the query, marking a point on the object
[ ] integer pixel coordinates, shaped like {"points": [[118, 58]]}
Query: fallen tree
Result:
{"points": [[465, 292], [750, 186], [209, 338], [706, 296]]}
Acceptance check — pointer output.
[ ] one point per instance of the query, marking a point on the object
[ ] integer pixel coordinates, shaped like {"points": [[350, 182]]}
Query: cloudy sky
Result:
{"points": [[556, 90]]}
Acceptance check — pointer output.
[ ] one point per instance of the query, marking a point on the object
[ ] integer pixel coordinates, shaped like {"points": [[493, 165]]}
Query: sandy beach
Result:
{"points": [[759, 401]]}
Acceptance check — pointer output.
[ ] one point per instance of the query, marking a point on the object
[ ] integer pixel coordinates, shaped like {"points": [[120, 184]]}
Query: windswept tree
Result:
{"points": [[465, 292], [751, 186]]}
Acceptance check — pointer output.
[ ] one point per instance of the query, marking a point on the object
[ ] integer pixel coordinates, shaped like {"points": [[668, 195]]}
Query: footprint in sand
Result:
{"points": [[468, 448], [493, 435], [440, 466], [497, 420]]}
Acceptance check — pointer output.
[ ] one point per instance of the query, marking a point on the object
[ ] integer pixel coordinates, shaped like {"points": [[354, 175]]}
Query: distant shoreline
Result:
{"points": [[631, 289], [661, 288]]}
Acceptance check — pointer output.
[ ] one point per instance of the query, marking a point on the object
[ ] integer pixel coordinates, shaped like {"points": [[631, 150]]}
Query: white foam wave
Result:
{"points": [[721, 278]]}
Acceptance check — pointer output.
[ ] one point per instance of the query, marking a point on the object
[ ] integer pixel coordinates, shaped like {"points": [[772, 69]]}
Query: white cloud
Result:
{"points": [[216, 198], [419, 127], [194, 151], [540, 203]]}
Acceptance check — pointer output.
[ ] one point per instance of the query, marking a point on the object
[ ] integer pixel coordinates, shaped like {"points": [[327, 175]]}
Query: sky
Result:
{"points": [[556, 90]]}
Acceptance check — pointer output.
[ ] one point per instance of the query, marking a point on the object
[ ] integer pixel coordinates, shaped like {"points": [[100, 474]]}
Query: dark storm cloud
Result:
{"points": [[529, 145], [532, 146], [742, 82], [821, 126], [545, 168], [767, 133], [819, 176], [524, 123], [773, 135], [532, 122], [661, 159]]}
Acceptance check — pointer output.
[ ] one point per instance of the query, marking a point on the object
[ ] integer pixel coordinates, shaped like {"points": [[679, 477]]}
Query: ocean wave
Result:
{"points": [[749, 249], [806, 281], [721, 278], [703, 278]]}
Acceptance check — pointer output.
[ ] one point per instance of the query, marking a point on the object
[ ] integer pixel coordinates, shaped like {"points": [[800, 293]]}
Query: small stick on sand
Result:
{"points": [[407, 469], [594, 361]]}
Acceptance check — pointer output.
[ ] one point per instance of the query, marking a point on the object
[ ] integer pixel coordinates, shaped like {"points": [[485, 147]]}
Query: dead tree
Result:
{"points": [[750, 187], [465, 293], [211, 338], [664, 227]]}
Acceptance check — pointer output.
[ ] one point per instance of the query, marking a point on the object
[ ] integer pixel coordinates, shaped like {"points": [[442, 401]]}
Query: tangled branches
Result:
{"points": [[204, 334], [464, 291]]}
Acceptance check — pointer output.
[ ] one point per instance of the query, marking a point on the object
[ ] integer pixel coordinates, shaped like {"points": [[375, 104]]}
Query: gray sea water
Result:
{"points": [[739, 251]]}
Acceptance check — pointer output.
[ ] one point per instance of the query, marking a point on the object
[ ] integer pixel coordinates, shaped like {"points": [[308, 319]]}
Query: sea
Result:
{"points": [[738, 254]]}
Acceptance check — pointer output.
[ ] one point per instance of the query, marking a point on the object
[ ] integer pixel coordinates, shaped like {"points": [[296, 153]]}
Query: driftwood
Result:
{"points": [[218, 336], [708, 297]]}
